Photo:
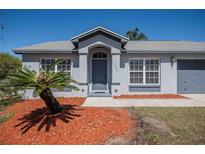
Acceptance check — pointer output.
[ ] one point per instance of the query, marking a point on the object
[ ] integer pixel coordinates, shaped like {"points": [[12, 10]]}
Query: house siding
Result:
{"points": [[120, 72]]}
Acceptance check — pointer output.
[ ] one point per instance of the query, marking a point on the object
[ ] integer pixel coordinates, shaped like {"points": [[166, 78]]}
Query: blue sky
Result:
{"points": [[26, 27]]}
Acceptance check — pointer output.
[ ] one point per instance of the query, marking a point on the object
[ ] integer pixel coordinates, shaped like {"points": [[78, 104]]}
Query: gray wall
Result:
{"points": [[168, 76], [119, 68]]}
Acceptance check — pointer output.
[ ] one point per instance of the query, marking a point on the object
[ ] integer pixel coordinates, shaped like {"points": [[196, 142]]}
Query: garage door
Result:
{"points": [[191, 76]]}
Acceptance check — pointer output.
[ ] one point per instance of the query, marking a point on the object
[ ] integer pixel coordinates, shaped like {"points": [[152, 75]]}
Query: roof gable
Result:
{"points": [[96, 31]]}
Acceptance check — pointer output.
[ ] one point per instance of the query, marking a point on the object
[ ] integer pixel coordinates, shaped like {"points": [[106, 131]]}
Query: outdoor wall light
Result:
{"points": [[116, 90], [82, 90], [172, 60]]}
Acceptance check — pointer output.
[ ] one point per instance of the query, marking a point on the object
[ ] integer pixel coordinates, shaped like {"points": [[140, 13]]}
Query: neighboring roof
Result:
{"points": [[97, 29], [55, 46], [164, 46]]}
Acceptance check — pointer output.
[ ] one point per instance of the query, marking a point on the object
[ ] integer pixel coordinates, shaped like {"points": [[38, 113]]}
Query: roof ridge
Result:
{"points": [[165, 41]]}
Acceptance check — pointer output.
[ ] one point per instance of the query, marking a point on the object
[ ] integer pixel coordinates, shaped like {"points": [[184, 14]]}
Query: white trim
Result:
{"points": [[144, 78], [99, 27]]}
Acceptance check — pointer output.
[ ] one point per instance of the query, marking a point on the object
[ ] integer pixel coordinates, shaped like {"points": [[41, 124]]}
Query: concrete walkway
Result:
{"points": [[110, 102], [197, 97]]}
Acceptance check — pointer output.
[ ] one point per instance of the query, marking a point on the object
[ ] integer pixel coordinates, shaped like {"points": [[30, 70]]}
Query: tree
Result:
{"points": [[8, 64], [42, 84], [136, 35]]}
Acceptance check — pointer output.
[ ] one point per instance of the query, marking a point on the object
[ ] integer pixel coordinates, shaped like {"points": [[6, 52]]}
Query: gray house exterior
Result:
{"points": [[106, 63]]}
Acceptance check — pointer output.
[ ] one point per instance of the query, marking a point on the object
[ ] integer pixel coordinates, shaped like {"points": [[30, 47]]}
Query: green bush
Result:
{"points": [[8, 64]]}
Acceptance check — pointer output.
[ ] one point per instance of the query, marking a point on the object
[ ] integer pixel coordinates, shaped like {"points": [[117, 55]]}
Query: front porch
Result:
{"points": [[97, 65]]}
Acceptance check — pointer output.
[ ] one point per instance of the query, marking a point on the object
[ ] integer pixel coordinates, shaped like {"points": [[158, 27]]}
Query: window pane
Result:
{"points": [[156, 80], [147, 62], [156, 67], [52, 61], [157, 61], [151, 71], [141, 67], [140, 80], [156, 74], [43, 61], [147, 80], [59, 67], [141, 62], [151, 74], [141, 74], [64, 65], [131, 67], [151, 80], [47, 61], [151, 67], [147, 67], [136, 66]]}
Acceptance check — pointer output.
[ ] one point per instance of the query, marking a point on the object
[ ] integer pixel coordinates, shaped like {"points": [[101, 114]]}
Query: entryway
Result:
{"points": [[99, 72], [99, 75]]}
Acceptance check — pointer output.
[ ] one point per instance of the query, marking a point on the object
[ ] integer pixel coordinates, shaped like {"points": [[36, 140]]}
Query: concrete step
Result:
{"points": [[99, 94]]}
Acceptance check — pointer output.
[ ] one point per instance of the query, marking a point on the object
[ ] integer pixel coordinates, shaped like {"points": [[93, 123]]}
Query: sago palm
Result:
{"points": [[136, 35], [42, 83]]}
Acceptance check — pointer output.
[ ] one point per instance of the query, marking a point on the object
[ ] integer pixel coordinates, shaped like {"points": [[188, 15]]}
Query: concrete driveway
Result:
{"points": [[111, 102], [197, 97]]}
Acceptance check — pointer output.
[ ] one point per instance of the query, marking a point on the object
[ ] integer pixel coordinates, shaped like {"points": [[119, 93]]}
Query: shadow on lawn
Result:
{"points": [[42, 117]]}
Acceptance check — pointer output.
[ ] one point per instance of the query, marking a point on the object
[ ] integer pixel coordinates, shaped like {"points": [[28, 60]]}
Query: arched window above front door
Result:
{"points": [[99, 55]]}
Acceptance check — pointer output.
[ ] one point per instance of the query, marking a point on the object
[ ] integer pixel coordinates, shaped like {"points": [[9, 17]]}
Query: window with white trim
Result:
{"points": [[152, 71], [64, 65], [136, 71], [144, 71], [46, 62]]}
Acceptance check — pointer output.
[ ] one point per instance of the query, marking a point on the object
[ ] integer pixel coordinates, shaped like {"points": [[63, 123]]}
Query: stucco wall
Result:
{"points": [[119, 73], [168, 76]]}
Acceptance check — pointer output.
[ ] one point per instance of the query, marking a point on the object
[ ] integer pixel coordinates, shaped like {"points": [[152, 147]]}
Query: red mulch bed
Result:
{"points": [[32, 124], [151, 96]]}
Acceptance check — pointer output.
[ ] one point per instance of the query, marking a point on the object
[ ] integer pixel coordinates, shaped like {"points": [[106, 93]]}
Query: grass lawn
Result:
{"points": [[171, 125]]}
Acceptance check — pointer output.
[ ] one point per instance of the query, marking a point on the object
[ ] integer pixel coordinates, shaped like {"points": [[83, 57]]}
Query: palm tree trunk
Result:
{"points": [[50, 101]]}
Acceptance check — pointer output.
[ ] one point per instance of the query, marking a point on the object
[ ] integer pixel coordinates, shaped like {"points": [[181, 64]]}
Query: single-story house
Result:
{"points": [[106, 63]]}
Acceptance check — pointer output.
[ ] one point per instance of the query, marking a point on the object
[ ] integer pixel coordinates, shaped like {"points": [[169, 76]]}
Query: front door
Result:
{"points": [[99, 74]]}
